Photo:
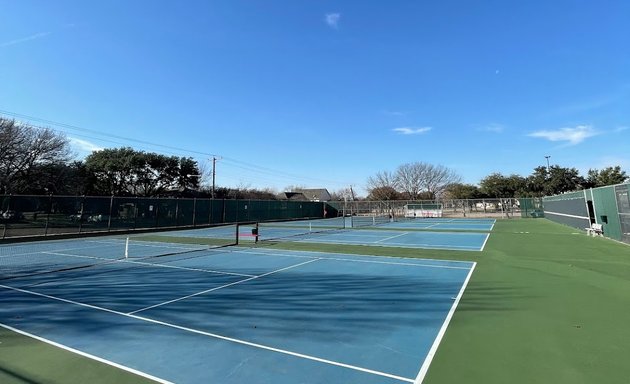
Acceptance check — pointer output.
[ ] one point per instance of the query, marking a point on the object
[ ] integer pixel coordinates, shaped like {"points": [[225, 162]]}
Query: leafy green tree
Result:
{"points": [[497, 185], [607, 176], [125, 171], [563, 180], [462, 191]]}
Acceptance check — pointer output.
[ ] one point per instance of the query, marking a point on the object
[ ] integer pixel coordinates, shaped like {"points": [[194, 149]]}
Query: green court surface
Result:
{"points": [[546, 304]]}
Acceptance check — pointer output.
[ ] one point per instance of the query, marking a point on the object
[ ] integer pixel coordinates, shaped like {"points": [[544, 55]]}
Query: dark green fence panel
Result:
{"points": [[54, 215], [569, 209], [202, 212], [606, 211], [123, 213], [185, 211]]}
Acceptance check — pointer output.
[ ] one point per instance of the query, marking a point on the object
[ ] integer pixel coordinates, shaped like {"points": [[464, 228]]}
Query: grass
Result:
{"points": [[545, 305]]}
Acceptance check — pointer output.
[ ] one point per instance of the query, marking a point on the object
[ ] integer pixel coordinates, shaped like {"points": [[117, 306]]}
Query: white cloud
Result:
{"points": [[495, 128], [25, 39], [332, 19], [572, 136], [83, 145], [395, 113], [620, 129], [412, 130]]}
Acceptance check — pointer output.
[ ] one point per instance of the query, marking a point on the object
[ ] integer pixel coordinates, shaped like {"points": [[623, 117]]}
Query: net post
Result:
{"points": [[127, 248], [256, 232], [238, 231]]}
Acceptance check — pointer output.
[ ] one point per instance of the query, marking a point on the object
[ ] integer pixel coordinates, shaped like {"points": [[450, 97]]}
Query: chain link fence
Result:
{"points": [[492, 208], [27, 216]]}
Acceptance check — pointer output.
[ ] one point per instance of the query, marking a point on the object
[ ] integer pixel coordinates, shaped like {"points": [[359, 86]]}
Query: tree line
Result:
{"points": [[36, 160], [421, 181], [542, 181]]}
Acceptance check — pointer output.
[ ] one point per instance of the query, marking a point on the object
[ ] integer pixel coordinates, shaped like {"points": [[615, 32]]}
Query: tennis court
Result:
{"points": [[443, 224], [233, 314], [378, 235]]}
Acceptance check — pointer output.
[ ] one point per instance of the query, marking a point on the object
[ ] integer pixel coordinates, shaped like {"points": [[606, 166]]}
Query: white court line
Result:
{"points": [[216, 336], [44, 251], [441, 247], [77, 256], [485, 241], [185, 268], [427, 361], [89, 356], [272, 253], [150, 264], [221, 287], [392, 237]]}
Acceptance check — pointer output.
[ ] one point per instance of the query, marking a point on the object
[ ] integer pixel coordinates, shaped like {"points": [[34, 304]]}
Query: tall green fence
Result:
{"points": [[608, 206], [25, 216], [569, 209]]}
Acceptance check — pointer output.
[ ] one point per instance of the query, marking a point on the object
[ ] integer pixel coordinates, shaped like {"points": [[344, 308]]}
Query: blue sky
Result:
{"points": [[327, 93]]}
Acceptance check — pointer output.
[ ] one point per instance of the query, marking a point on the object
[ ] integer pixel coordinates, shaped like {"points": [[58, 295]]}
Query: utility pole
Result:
{"points": [[214, 173]]}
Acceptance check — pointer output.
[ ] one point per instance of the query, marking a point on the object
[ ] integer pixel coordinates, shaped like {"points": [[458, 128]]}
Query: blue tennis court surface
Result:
{"points": [[237, 315], [464, 241], [443, 224]]}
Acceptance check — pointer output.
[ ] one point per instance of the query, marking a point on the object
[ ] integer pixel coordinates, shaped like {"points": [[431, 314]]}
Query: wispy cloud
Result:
{"points": [[332, 19], [395, 113], [412, 130], [494, 128], [571, 136], [621, 129], [83, 145], [25, 39]]}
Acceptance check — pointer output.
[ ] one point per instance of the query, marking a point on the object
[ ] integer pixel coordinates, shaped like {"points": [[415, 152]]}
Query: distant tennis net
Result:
{"points": [[296, 229], [366, 221], [45, 257]]}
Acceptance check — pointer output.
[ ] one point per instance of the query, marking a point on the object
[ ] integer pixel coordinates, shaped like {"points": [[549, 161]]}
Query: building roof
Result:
{"points": [[318, 194]]}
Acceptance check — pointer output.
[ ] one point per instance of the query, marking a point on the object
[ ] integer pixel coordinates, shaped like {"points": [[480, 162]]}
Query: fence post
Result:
{"points": [[135, 213], [109, 217], [48, 214], [194, 212], [177, 211], [81, 213]]}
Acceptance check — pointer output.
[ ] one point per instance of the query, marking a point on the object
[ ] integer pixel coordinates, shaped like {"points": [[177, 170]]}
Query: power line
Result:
{"points": [[230, 162]]}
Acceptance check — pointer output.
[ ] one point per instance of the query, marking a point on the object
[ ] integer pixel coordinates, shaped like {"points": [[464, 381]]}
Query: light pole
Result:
{"points": [[547, 157]]}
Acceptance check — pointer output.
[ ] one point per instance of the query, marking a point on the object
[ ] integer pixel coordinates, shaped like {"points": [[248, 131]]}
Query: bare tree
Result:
{"points": [[418, 179], [22, 148], [342, 194], [438, 178], [410, 179]]}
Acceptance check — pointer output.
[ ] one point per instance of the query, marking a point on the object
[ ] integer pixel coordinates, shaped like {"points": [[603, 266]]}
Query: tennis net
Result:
{"points": [[296, 229], [366, 221], [36, 258]]}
